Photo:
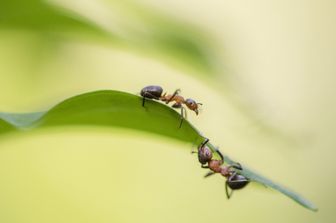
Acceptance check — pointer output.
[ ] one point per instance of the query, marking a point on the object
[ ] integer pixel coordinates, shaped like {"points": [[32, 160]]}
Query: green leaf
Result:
{"points": [[39, 15], [120, 109], [252, 175], [176, 41]]}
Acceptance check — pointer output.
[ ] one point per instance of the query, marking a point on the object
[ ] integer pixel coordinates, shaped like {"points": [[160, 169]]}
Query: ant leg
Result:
{"points": [[143, 101], [205, 167], [209, 174], [171, 98], [185, 114], [237, 166], [232, 176], [148, 95], [220, 154], [228, 194], [182, 116]]}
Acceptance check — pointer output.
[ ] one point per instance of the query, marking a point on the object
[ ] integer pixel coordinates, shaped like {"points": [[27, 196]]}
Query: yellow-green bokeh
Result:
{"points": [[277, 56]]}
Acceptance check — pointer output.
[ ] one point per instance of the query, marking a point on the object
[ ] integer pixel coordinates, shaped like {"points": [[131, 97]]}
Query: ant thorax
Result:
{"points": [[226, 171], [215, 165], [170, 98]]}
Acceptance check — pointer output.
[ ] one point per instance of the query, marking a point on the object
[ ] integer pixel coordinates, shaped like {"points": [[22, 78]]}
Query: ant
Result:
{"points": [[155, 92], [234, 180]]}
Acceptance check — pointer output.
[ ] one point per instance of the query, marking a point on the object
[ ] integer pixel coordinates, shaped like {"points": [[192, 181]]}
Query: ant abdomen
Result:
{"points": [[152, 92], [237, 182]]}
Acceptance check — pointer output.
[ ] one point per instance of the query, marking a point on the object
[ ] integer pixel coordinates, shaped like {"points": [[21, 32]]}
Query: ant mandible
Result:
{"points": [[234, 180], [155, 92]]}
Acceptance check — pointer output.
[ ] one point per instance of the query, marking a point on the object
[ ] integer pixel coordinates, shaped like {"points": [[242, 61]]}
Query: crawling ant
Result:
{"points": [[155, 92], [234, 180]]}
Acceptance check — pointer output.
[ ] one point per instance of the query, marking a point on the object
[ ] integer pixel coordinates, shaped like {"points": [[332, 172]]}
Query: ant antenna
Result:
{"points": [[219, 153], [206, 140]]}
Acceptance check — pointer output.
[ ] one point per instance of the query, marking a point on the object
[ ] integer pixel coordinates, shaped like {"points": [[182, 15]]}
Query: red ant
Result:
{"points": [[155, 92], [234, 180]]}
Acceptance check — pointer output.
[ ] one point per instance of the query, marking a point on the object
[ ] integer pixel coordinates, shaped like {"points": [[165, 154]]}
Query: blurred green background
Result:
{"points": [[264, 70]]}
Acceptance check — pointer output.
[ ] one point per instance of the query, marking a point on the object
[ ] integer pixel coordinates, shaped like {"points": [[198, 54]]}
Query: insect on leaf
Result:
{"points": [[121, 109]]}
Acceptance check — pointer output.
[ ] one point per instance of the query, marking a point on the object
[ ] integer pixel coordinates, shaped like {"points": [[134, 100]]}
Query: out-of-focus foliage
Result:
{"points": [[275, 56], [142, 29], [37, 15]]}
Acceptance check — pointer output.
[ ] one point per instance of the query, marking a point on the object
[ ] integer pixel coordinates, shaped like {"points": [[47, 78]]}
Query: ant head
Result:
{"points": [[204, 154], [237, 182], [192, 105]]}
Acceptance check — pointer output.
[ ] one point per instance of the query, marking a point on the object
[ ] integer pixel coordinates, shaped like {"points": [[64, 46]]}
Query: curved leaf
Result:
{"points": [[269, 183], [39, 15], [115, 108]]}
